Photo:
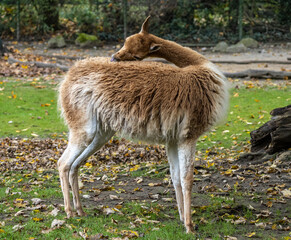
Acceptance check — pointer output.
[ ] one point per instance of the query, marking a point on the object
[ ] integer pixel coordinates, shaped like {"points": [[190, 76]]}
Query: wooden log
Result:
{"points": [[61, 57], [281, 136], [261, 137], [258, 73], [39, 64], [192, 45], [280, 111], [275, 135], [251, 61]]}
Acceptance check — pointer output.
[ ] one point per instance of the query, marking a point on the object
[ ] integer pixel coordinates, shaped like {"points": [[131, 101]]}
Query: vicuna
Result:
{"points": [[148, 101]]}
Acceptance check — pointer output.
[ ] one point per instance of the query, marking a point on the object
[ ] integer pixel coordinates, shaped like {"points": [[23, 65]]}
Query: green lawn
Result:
{"points": [[249, 109], [29, 109]]}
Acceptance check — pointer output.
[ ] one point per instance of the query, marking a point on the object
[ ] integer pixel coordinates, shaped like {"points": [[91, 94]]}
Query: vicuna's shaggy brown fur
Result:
{"points": [[153, 100], [148, 101]]}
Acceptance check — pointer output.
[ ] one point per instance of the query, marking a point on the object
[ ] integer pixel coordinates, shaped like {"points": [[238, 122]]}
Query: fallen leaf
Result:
{"points": [[36, 201], [54, 212], [46, 231], [167, 199], [18, 227], [249, 235], [113, 197], [139, 179], [230, 238], [98, 236], [83, 235], [37, 219], [56, 223], [261, 225], [154, 196], [154, 184], [21, 212], [108, 211], [241, 220], [286, 193]]}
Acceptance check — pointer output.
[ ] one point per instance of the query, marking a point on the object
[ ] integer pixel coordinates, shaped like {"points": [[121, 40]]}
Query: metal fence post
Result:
{"points": [[125, 18], [18, 21], [240, 19]]}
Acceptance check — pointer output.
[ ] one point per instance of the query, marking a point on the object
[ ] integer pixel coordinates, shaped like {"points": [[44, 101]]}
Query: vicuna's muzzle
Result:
{"points": [[124, 55], [114, 59]]}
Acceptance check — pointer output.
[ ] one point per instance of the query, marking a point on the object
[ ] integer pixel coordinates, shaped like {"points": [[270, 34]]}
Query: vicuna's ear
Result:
{"points": [[145, 25], [154, 47]]}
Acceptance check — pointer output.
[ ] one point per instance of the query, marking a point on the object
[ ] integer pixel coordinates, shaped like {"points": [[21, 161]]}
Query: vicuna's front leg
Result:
{"points": [[186, 154], [172, 153]]}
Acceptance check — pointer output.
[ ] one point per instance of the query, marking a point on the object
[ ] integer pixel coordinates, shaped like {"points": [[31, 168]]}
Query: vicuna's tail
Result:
{"points": [[223, 101]]}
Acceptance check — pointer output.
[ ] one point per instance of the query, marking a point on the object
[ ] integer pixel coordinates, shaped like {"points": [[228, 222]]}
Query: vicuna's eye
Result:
{"points": [[137, 58]]}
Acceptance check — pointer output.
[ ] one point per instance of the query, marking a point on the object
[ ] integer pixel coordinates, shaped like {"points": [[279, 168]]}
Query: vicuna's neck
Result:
{"points": [[177, 54]]}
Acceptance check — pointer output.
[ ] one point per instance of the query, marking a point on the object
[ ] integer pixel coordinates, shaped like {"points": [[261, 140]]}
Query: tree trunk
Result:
{"points": [[240, 19]]}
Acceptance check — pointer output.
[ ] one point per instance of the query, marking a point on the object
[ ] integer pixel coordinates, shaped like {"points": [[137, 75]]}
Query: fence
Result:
{"points": [[179, 20]]}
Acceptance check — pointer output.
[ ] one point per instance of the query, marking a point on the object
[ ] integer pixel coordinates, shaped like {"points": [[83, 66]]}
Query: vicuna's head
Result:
{"points": [[137, 46]]}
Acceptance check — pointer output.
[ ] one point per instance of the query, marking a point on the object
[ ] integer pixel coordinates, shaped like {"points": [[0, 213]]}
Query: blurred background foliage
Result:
{"points": [[180, 20]]}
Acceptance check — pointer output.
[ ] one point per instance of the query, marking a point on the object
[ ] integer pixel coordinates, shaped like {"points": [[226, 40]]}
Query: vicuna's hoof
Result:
{"points": [[191, 229], [82, 213], [70, 214]]}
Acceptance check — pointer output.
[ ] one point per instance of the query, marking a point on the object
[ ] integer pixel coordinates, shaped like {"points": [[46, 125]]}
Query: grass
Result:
{"points": [[249, 109], [29, 108]]}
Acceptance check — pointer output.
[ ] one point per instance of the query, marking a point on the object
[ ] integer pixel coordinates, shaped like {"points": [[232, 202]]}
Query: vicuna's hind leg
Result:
{"points": [[100, 138], [82, 144], [186, 153], [73, 150], [172, 153]]}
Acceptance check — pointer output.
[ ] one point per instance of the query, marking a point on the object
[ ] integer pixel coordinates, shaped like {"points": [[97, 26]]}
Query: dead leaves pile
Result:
{"points": [[30, 154], [33, 154]]}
